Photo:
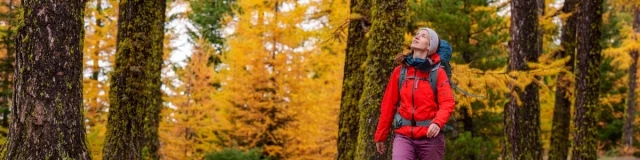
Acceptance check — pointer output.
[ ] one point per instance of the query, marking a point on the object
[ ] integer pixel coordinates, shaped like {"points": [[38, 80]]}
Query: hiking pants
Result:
{"points": [[405, 148]]}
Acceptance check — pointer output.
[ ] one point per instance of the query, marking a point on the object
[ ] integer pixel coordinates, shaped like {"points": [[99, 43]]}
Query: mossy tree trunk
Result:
{"points": [[386, 37], [559, 149], [587, 79], [47, 103], [135, 98], [627, 134], [353, 82], [522, 123]]}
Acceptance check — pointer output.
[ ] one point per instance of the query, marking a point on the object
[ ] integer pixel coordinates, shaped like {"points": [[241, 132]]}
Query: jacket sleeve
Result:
{"points": [[388, 107], [446, 103]]}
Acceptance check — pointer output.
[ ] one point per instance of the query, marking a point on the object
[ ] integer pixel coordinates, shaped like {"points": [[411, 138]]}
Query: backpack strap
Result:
{"points": [[433, 80], [403, 76], [397, 119]]}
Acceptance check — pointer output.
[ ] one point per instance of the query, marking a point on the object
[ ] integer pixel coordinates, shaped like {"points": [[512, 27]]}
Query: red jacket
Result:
{"points": [[423, 100]]}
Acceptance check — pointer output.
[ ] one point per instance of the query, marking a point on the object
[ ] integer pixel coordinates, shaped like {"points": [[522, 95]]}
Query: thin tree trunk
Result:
{"points": [[559, 149], [135, 99], [47, 106], [587, 79], [388, 28], [522, 123], [627, 138], [356, 54]]}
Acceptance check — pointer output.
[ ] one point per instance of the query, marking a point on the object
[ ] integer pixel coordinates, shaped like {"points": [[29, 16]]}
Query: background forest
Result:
{"points": [[303, 79]]}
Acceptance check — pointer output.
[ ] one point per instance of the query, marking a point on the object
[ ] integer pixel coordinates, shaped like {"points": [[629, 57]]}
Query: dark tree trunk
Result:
{"points": [[389, 20], [627, 138], [47, 102], [587, 79], [356, 54], [135, 98], [522, 123], [562, 112]]}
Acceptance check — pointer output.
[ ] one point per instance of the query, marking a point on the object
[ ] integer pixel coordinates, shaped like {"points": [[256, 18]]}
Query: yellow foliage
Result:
{"points": [[279, 81], [187, 126], [98, 52]]}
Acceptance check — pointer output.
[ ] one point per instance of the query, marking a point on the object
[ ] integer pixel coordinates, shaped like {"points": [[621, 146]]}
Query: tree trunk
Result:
{"points": [[587, 79], [47, 102], [562, 112], [356, 54], [522, 123], [135, 98], [388, 28], [627, 138]]}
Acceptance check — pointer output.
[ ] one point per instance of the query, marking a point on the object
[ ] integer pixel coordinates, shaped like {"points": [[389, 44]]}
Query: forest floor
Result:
{"points": [[619, 158]]}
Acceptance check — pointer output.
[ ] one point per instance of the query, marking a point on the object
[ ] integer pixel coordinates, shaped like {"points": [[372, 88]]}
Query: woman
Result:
{"points": [[426, 111]]}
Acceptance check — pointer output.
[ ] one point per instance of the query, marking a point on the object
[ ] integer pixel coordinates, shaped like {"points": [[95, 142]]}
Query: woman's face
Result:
{"points": [[421, 41]]}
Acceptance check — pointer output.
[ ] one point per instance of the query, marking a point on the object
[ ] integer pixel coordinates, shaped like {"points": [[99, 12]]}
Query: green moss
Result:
{"points": [[148, 53], [386, 37]]}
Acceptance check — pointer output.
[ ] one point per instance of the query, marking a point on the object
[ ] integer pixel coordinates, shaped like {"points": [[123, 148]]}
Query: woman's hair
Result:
{"points": [[399, 59]]}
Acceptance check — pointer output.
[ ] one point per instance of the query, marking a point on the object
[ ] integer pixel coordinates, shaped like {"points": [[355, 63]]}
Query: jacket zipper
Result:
{"points": [[413, 101]]}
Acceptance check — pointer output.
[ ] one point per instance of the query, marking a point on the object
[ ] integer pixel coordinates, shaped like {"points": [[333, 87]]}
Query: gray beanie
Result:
{"points": [[433, 40]]}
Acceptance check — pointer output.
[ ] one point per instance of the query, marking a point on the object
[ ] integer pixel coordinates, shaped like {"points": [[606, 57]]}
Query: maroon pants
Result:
{"points": [[405, 148]]}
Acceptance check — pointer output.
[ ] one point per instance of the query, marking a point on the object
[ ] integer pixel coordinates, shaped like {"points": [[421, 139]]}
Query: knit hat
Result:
{"points": [[433, 40]]}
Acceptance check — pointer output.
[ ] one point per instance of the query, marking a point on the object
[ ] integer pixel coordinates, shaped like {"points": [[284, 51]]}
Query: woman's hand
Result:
{"points": [[381, 147], [434, 129]]}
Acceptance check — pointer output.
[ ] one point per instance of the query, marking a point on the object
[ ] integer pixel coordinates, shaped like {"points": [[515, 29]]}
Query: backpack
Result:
{"points": [[445, 51]]}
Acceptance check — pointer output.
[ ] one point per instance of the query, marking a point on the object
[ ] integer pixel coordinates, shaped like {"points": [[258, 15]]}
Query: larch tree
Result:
{"points": [[47, 102], [270, 78], [353, 81], [188, 131], [629, 115], [560, 143], [588, 60], [99, 53], [135, 96], [388, 25], [522, 113]]}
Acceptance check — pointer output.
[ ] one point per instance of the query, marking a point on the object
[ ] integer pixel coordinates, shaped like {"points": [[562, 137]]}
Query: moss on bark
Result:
{"points": [[389, 20], [587, 79], [522, 122], [47, 103], [135, 98], [353, 82]]}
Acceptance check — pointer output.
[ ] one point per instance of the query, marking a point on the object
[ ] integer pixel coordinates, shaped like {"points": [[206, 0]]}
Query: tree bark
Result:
{"points": [[135, 98], [587, 79], [559, 149], [353, 82], [47, 102], [627, 138], [389, 20], [522, 123]]}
